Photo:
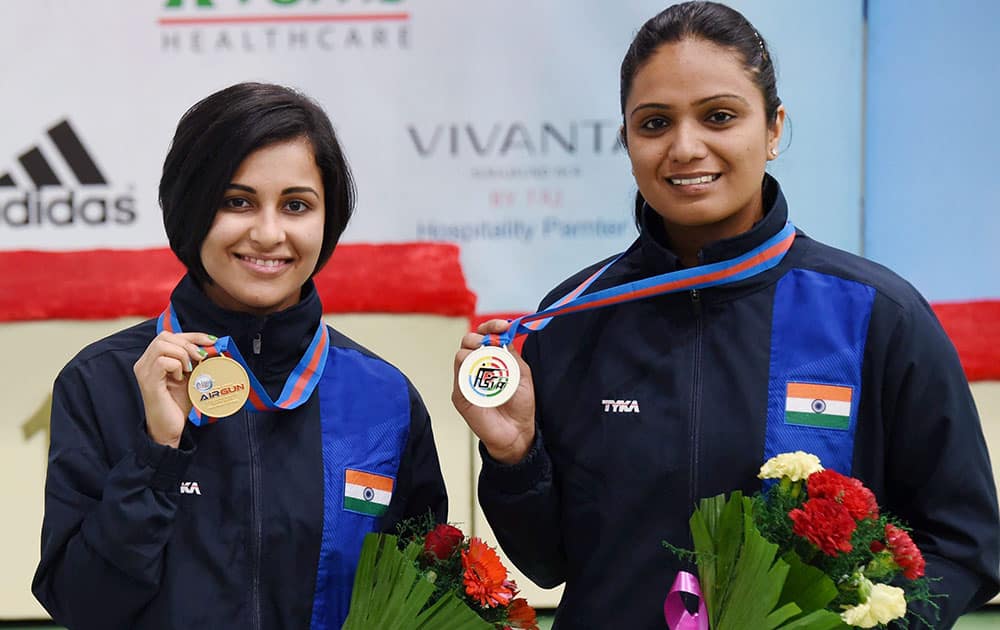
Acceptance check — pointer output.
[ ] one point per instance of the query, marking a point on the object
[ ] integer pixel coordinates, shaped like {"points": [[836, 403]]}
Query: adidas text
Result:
{"points": [[52, 198], [64, 208], [621, 406]]}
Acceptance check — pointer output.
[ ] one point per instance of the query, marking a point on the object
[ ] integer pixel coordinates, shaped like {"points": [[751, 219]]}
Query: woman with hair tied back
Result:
{"points": [[627, 414], [159, 516]]}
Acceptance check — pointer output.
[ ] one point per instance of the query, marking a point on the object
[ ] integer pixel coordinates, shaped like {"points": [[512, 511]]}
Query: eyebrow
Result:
{"points": [[288, 191], [707, 99]]}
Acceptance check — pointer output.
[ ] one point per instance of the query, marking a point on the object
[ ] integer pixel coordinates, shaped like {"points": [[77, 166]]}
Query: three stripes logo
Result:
{"points": [[38, 195], [72, 150]]}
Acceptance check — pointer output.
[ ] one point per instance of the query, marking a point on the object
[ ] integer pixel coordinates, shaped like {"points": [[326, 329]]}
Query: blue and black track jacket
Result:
{"points": [[244, 525], [645, 407]]}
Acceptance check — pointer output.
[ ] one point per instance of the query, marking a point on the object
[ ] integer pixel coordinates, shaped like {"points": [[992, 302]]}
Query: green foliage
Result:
{"points": [[744, 583], [390, 592]]}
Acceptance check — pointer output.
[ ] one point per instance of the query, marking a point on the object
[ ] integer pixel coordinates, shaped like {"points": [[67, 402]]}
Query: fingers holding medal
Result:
{"points": [[488, 375], [171, 355], [162, 374], [494, 393]]}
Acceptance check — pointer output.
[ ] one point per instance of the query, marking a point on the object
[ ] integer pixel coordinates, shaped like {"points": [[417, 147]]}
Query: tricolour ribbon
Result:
{"points": [[674, 610], [298, 387], [761, 258]]}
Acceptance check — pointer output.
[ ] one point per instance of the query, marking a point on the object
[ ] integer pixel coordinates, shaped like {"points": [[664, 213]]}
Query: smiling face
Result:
{"points": [[266, 237], [698, 139]]}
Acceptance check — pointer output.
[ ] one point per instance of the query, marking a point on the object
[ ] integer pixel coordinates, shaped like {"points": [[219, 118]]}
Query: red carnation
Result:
{"points": [[904, 552], [830, 484], [442, 541], [826, 524]]}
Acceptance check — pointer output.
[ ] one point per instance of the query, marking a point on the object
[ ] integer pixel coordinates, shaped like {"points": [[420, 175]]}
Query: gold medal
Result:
{"points": [[218, 387], [488, 377]]}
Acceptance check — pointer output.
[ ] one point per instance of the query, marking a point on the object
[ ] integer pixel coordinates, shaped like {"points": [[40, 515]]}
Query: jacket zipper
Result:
{"points": [[255, 523], [255, 515], [695, 425]]}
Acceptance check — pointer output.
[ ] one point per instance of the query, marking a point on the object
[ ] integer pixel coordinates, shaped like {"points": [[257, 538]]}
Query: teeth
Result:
{"points": [[704, 179], [270, 262]]}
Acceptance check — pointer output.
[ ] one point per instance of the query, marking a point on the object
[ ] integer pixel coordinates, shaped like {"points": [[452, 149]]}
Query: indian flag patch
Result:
{"points": [[367, 493], [827, 406]]}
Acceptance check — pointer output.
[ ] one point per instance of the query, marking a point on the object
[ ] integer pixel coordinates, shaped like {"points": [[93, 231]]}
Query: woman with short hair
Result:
{"points": [[159, 516]]}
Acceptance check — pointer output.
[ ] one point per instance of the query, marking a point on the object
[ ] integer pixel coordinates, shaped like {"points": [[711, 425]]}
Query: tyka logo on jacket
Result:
{"points": [[190, 487], [621, 406]]}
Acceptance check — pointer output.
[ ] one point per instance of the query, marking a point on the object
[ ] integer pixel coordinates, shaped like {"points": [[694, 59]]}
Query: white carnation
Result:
{"points": [[887, 602], [796, 466], [860, 616], [884, 604]]}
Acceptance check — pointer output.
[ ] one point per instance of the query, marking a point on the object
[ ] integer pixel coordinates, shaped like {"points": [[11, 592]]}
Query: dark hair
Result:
{"points": [[214, 137], [710, 21]]}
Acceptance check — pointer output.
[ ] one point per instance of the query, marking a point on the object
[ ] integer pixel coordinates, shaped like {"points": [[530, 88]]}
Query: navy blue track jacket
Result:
{"points": [[243, 526], [645, 407]]}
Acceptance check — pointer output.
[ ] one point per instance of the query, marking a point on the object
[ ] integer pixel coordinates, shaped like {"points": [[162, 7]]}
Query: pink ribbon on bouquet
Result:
{"points": [[674, 610]]}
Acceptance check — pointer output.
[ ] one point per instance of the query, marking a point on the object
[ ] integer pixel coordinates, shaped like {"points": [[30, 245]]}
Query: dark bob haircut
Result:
{"points": [[212, 140]]}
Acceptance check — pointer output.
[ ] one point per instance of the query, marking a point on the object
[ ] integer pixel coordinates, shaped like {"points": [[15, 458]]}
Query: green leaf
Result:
{"points": [[704, 523], [451, 613], [390, 592], [756, 579], [807, 586], [817, 620], [780, 615]]}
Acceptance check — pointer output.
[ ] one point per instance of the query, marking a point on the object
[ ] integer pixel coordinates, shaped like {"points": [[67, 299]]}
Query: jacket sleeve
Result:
{"points": [[106, 522], [421, 486], [521, 504], [939, 478]]}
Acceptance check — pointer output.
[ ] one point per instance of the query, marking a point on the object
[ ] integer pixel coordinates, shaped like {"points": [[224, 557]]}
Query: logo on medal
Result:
{"points": [[488, 377], [218, 387], [203, 383]]}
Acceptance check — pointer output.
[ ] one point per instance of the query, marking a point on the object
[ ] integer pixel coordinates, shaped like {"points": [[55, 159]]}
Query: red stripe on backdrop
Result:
{"points": [[360, 278], [974, 328], [106, 284]]}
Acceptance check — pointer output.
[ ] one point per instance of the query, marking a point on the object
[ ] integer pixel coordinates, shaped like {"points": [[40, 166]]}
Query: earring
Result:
{"points": [[774, 152]]}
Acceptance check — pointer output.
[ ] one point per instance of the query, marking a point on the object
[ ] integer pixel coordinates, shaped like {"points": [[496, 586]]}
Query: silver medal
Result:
{"points": [[488, 377]]}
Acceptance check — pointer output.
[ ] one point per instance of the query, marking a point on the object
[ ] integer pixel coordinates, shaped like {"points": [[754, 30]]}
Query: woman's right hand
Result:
{"points": [[162, 373], [506, 431]]}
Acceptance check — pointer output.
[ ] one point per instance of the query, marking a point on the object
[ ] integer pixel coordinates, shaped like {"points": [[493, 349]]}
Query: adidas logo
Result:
{"points": [[43, 191], [190, 487], [621, 406]]}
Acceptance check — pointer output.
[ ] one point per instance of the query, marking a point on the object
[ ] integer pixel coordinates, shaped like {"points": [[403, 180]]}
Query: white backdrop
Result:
{"points": [[489, 123]]}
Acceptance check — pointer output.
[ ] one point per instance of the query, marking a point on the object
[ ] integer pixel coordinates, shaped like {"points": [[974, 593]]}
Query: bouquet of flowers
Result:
{"points": [[434, 577], [812, 552]]}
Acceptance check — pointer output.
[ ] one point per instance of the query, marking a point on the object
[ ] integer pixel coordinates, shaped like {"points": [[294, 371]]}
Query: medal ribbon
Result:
{"points": [[299, 386], [761, 258]]}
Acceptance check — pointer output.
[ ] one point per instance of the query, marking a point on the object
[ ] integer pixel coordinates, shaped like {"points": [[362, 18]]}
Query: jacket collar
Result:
{"points": [[660, 258], [284, 336]]}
